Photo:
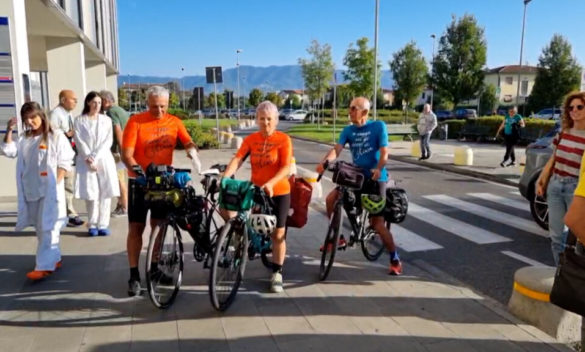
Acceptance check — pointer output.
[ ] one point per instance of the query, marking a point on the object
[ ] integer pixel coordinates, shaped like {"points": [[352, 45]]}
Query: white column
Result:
{"points": [[95, 77], [66, 70], [112, 85]]}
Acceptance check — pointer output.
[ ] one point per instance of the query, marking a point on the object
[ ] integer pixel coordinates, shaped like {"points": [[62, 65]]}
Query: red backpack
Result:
{"points": [[300, 197]]}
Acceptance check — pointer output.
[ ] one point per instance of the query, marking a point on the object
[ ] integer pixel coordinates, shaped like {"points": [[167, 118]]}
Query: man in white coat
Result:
{"points": [[427, 122], [62, 121]]}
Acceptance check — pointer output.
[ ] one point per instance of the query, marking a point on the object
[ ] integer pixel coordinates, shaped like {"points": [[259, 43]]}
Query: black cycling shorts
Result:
{"points": [[137, 208], [281, 208]]}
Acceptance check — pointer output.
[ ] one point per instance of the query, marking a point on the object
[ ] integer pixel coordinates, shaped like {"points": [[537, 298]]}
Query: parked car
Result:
{"points": [[537, 154], [465, 113], [297, 115], [548, 114], [444, 115], [283, 113]]}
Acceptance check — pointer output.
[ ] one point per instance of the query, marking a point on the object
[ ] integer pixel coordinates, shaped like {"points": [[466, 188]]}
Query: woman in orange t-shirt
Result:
{"points": [[270, 156]]}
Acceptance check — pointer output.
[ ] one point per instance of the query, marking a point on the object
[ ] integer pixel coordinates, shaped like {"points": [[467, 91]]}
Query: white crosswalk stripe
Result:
{"points": [[410, 241], [517, 204], [523, 259], [488, 213], [456, 227]]}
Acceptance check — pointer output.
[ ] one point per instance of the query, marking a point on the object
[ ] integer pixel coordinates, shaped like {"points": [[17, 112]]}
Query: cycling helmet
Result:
{"points": [[373, 203], [396, 205], [262, 223]]}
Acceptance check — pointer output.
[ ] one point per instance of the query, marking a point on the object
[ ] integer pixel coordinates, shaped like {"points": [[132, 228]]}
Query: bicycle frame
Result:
{"points": [[357, 222]]}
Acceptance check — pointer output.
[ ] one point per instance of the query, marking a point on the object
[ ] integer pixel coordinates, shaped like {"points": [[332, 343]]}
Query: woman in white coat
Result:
{"points": [[43, 160], [96, 175]]}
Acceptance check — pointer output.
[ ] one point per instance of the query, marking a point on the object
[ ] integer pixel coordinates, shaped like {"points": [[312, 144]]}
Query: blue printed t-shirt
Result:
{"points": [[365, 143], [510, 120]]}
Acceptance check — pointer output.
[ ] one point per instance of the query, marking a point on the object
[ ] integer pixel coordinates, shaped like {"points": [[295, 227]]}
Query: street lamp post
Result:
{"points": [[376, 61], [238, 51], [183, 88], [521, 51], [432, 70]]}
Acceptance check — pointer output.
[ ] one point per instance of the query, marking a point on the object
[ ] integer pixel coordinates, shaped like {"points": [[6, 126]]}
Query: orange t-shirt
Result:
{"points": [[153, 139], [267, 156]]}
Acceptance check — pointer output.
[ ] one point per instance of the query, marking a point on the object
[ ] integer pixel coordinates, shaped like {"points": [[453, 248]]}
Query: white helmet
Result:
{"points": [[262, 223]]}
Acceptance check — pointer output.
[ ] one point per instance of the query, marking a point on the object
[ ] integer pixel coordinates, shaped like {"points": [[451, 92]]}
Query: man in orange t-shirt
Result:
{"points": [[270, 155], [149, 137]]}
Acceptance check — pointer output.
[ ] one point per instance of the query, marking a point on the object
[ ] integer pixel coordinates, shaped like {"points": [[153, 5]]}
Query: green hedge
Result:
{"points": [[180, 113], [201, 135], [388, 116], [535, 128]]}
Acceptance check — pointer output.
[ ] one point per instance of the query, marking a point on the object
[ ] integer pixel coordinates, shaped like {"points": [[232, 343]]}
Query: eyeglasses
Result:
{"points": [[576, 107], [354, 108]]}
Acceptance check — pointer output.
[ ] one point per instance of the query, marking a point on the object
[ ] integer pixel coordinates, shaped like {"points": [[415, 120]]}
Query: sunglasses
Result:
{"points": [[576, 107]]}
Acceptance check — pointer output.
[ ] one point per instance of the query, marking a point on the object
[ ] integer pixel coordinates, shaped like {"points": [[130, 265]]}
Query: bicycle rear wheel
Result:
{"points": [[372, 244], [330, 243], [164, 264], [228, 266]]}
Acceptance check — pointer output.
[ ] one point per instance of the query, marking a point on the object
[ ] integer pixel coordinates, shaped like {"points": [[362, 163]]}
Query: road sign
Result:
{"points": [[210, 72]]}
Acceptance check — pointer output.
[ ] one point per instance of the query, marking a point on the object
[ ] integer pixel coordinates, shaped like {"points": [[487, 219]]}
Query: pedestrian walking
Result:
{"points": [[511, 126], [43, 159], [62, 121], [427, 122], [97, 179]]}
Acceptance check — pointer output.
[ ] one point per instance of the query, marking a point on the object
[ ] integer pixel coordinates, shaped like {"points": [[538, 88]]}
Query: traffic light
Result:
{"points": [[198, 98], [229, 99]]}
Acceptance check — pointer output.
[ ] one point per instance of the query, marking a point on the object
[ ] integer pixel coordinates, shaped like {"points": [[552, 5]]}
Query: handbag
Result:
{"points": [[568, 291], [348, 175]]}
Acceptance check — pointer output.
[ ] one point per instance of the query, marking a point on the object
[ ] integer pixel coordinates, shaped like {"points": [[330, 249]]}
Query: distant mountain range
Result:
{"points": [[268, 79]]}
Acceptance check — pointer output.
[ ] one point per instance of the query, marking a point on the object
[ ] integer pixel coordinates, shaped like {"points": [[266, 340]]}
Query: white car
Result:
{"points": [[297, 115], [548, 114]]}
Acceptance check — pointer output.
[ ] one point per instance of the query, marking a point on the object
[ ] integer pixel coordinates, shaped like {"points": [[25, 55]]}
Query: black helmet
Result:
{"points": [[396, 205]]}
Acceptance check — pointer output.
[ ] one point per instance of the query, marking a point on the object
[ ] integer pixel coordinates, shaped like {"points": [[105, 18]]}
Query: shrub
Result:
{"points": [[180, 113]]}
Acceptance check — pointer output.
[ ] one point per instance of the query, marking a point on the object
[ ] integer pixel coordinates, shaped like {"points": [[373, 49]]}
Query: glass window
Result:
{"points": [[39, 89], [72, 10], [509, 79], [524, 88]]}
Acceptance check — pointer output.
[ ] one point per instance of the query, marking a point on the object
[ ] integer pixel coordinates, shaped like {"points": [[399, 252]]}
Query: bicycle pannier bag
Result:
{"points": [[300, 197], [235, 195], [348, 175]]}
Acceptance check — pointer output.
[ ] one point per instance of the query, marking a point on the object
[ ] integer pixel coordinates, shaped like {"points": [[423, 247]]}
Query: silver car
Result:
{"points": [[537, 154]]}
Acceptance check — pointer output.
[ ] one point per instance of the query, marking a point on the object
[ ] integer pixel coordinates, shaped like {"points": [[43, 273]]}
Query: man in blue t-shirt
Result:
{"points": [[368, 142]]}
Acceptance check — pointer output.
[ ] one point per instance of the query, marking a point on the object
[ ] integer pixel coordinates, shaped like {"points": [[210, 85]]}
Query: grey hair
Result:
{"points": [[107, 95], [267, 106], [157, 91], [365, 102]]}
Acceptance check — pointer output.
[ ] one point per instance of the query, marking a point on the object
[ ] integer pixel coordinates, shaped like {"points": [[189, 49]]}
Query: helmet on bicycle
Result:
{"points": [[373, 203], [396, 205], [262, 223]]}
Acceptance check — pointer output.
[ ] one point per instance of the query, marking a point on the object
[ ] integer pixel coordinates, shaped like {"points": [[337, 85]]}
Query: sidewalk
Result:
{"points": [[486, 159], [84, 306]]}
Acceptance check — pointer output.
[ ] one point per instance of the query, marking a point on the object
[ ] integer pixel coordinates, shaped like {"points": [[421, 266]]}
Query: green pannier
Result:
{"points": [[236, 195]]}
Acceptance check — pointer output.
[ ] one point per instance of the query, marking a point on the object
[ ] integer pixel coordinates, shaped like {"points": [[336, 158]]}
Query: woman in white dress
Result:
{"points": [[96, 176], [43, 160]]}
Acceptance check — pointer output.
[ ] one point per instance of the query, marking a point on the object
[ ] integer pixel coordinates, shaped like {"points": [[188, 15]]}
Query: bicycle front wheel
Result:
{"points": [[228, 266], [330, 244], [372, 244], [164, 264]]}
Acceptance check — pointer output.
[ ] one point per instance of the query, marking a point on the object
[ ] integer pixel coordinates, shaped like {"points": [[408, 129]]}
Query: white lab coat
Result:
{"points": [[60, 155], [95, 142]]}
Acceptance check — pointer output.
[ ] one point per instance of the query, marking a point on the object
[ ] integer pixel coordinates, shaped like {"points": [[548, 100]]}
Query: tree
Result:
{"points": [[409, 71], [558, 74], [293, 101], [255, 97], [210, 101], [275, 98], [488, 101], [459, 64], [173, 100], [123, 100], [360, 68], [318, 70]]}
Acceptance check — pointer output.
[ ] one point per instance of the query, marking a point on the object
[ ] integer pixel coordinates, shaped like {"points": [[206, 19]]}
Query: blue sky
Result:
{"points": [[159, 40]]}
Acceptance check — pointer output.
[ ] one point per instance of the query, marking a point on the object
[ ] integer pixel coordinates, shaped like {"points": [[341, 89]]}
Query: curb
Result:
{"points": [[442, 167]]}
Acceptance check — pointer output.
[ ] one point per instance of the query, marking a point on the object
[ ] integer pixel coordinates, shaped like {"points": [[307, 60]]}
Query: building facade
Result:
{"points": [[50, 45]]}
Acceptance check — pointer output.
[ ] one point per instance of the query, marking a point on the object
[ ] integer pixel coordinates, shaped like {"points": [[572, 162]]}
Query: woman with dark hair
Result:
{"points": [[97, 178], [43, 160], [560, 175]]}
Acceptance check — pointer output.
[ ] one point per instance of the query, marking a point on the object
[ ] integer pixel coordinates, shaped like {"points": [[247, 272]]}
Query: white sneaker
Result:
{"points": [[276, 283]]}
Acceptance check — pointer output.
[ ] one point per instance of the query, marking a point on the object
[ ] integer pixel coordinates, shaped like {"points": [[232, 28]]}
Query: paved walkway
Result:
{"points": [[84, 306]]}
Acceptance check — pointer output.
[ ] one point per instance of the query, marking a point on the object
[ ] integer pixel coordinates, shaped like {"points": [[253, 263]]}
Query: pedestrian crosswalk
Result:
{"points": [[458, 216]]}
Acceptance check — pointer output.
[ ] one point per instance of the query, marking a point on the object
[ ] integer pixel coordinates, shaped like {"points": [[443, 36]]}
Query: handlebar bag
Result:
{"points": [[236, 195], [348, 175]]}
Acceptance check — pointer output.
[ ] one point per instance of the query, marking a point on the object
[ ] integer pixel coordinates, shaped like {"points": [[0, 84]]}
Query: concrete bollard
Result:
{"points": [[530, 301], [214, 130], [227, 136], [415, 150], [236, 142], [463, 156], [228, 129]]}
